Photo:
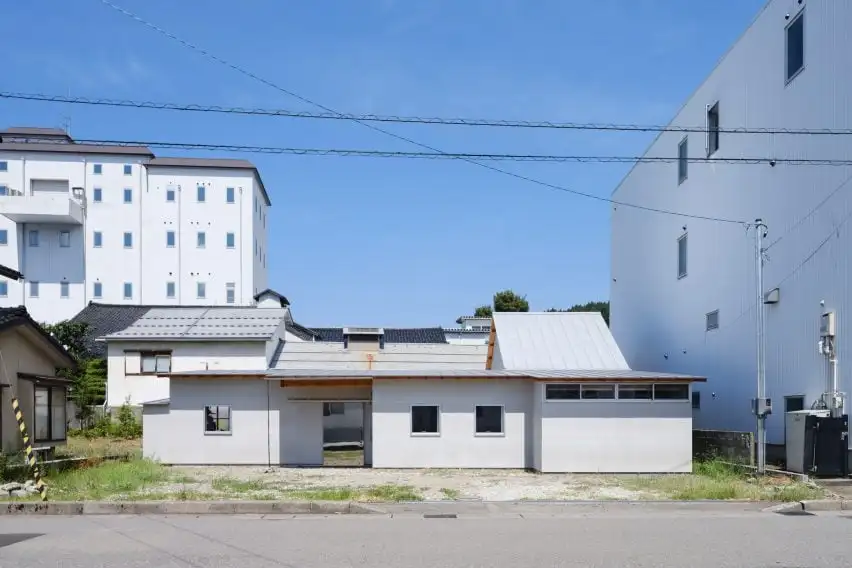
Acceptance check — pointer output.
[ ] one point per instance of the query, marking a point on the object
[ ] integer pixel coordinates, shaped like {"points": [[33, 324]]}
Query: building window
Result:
{"points": [[217, 419], [97, 195], [671, 392], [4, 166], [681, 256], [170, 289], [128, 195], [696, 400], [562, 392], [4, 289], [128, 169], [128, 240], [230, 293], [201, 290], [712, 129], [65, 239], [50, 421], [712, 320], [97, 239], [170, 238], [128, 291], [64, 290], [230, 240], [156, 363], [33, 238], [4, 237], [489, 419], [97, 169], [330, 408], [202, 194], [255, 246], [34, 289], [170, 194], [229, 195], [635, 392], [597, 392], [425, 420], [682, 160], [201, 239], [4, 190], [97, 290], [795, 35]]}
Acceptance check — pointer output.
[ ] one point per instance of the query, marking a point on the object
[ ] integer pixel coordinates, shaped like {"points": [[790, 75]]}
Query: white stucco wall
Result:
{"points": [[457, 445]]}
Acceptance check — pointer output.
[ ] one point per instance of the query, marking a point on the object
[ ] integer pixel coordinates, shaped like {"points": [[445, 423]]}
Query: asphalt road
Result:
{"points": [[586, 538]]}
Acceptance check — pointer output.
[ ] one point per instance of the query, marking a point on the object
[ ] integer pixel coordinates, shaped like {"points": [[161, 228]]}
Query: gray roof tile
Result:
{"points": [[191, 323]]}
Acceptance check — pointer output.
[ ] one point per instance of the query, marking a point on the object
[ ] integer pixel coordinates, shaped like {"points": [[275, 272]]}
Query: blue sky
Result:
{"points": [[364, 241]]}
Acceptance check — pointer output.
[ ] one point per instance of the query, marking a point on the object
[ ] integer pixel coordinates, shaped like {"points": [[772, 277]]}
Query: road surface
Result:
{"points": [[590, 538]]}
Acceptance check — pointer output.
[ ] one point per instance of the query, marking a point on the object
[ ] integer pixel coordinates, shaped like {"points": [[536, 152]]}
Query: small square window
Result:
{"points": [[696, 400], [97, 169], [65, 239], [97, 239], [128, 291], [713, 129], [128, 240], [229, 195], [217, 419], [489, 419], [712, 320], [562, 392], [170, 194], [4, 166], [97, 290], [64, 290], [4, 237], [230, 293], [795, 37], [34, 289], [425, 420], [682, 160], [97, 195], [156, 363], [681, 256], [128, 169], [128, 195], [170, 238], [201, 290], [230, 240], [202, 194], [671, 392], [33, 238], [4, 289], [170, 289], [201, 239]]}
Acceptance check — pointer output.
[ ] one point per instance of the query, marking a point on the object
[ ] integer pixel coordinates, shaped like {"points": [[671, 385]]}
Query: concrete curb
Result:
{"points": [[814, 506], [186, 508]]}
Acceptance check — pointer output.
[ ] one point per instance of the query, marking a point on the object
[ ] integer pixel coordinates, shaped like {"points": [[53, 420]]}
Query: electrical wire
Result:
{"points": [[443, 121], [542, 183]]}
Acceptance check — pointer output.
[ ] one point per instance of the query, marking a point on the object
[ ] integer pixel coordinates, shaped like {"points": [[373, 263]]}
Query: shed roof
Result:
{"points": [[204, 324], [555, 340]]}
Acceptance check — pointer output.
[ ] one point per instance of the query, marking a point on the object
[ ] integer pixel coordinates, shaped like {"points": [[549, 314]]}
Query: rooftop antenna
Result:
{"points": [[66, 120]]}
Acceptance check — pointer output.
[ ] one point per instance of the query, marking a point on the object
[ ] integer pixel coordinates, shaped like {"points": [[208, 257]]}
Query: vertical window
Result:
{"points": [[128, 240], [4, 288], [97, 195], [64, 290], [34, 289], [42, 414], [128, 195], [229, 195], [128, 291], [201, 239], [712, 320], [65, 239], [97, 290], [202, 194], [696, 400], [170, 238], [170, 194], [128, 169], [795, 35], [201, 290], [489, 419], [97, 239], [4, 190], [4, 237], [97, 169], [681, 256], [712, 129], [425, 420], [255, 246], [230, 240], [33, 238], [217, 419], [50, 420], [4, 166], [170, 289], [230, 293], [682, 160]]}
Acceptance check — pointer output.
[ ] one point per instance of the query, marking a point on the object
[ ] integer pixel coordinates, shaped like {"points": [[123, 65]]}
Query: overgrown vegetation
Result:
{"points": [[125, 426]]}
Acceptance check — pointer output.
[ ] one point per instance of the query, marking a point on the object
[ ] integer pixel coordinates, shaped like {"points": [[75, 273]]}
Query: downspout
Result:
{"points": [[22, 241], [141, 194], [268, 429], [85, 231], [242, 298], [179, 279]]}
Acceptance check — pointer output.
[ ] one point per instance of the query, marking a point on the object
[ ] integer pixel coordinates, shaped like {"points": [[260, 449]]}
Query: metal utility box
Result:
{"points": [[798, 439], [826, 325], [817, 443]]}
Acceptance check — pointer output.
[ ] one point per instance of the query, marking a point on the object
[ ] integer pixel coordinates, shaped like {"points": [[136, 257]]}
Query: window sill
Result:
{"points": [[217, 433], [489, 435], [425, 434]]}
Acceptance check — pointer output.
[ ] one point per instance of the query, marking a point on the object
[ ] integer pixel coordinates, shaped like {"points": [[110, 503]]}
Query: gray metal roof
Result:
{"points": [[74, 148], [199, 324], [225, 163], [555, 340], [34, 131]]}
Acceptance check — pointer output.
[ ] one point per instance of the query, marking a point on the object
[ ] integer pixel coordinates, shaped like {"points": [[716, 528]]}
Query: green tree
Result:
{"points": [[508, 301], [602, 307]]}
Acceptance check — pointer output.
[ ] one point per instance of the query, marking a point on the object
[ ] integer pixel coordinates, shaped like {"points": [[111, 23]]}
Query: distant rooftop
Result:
{"points": [[24, 131], [198, 324], [391, 335]]}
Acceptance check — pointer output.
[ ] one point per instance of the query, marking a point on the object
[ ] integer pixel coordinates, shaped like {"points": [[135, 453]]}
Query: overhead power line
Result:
{"points": [[444, 121], [375, 128]]}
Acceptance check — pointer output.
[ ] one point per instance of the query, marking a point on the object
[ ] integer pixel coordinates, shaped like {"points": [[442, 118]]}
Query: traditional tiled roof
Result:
{"points": [[105, 319], [204, 324]]}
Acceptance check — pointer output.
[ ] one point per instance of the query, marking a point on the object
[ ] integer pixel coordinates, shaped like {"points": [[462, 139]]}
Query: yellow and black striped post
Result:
{"points": [[28, 449]]}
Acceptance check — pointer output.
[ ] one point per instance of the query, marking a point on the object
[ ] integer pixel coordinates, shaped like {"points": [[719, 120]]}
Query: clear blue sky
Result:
{"points": [[363, 241]]}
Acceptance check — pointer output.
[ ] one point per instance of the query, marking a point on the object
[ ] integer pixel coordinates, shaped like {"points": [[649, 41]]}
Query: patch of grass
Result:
{"points": [[184, 479], [99, 447], [105, 479], [392, 493], [322, 494], [377, 493], [231, 485], [450, 493], [181, 495]]}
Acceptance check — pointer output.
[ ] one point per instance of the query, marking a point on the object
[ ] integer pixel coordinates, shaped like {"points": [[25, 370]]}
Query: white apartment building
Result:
{"points": [[471, 330], [683, 290], [118, 225]]}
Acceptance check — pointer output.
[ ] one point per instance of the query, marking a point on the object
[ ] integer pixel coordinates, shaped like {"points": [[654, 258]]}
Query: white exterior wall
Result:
{"points": [[466, 338], [186, 356], [654, 314], [149, 263], [457, 445]]}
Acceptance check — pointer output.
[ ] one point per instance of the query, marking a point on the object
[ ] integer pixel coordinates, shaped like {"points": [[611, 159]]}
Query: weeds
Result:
{"points": [[104, 480], [450, 493], [231, 485]]}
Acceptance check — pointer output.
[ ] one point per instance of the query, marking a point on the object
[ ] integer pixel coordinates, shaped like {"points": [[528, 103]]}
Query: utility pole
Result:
{"points": [[761, 406]]}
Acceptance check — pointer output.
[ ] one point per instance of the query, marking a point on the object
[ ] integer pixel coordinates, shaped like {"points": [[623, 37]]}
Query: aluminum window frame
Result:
{"points": [[501, 433], [217, 432], [799, 17], [683, 160], [412, 433], [683, 272]]}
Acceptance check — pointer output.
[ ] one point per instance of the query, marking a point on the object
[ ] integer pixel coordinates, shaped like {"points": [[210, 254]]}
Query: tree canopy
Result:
{"points": [[508, 301], [602, 307]]}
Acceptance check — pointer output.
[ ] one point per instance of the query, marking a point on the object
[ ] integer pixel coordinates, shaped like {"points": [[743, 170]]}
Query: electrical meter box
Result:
{"points": [[826, 325], [799, 423]]}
